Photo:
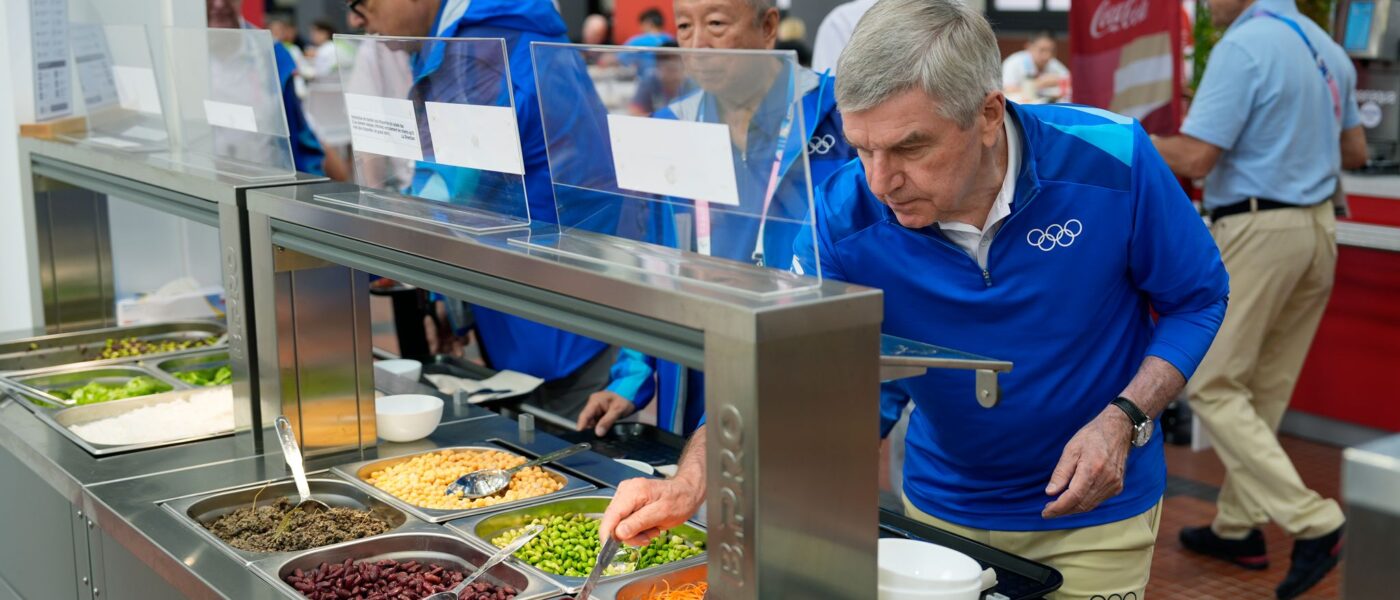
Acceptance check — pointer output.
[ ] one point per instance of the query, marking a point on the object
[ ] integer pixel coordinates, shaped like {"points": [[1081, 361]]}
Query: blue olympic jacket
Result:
{"points": [[509, 342], [307, 153], [1100, 234], [641, 378]]}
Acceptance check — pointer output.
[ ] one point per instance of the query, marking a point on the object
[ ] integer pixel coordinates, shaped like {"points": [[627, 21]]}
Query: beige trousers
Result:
{"points": [[1281, 264], [1098, 563]]}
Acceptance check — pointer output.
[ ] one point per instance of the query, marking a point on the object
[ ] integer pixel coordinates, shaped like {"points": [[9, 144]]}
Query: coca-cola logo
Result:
{"points": [[1112, 17]]}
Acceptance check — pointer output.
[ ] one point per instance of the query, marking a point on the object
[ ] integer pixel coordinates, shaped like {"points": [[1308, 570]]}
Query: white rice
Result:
{"points": [[201, 412]]}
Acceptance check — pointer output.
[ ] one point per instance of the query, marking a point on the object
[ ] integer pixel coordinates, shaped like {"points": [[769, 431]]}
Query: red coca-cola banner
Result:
{"points": [[1125, 56]]}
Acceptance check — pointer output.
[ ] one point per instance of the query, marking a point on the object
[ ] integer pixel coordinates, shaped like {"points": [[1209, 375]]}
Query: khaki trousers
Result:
{"points": [[1111, 561], [1281, 264]]}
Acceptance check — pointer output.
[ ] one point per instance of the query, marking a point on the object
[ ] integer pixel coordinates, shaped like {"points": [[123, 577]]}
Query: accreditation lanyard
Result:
{"points": [[702, 208], [1317, 58]]}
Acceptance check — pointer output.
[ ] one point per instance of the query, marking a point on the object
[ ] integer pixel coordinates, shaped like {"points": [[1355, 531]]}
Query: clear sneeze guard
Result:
{"points": [[227, 94], [119, 88], [433, 132], [702, 177]]}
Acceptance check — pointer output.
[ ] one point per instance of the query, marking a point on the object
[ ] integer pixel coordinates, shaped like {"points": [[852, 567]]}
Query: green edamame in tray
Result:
{"points": [[569, 545]]}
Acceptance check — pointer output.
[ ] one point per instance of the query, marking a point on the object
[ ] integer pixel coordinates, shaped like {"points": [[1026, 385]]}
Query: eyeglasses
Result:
{"points": [[354, 6]]}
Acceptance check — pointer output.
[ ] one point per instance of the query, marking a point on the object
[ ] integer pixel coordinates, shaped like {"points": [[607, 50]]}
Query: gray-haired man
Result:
{"points": [[1046, 235]]}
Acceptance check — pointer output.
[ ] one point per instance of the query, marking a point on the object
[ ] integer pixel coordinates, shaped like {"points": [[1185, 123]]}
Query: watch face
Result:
{"points": [[1142, 434]]}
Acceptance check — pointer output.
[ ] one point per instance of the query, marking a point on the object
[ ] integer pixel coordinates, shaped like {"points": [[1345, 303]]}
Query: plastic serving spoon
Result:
{"points": [[292, 452]]}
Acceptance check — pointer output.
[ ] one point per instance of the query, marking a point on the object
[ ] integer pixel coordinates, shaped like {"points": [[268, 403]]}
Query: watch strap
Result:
{"points": [[1134, 413]]}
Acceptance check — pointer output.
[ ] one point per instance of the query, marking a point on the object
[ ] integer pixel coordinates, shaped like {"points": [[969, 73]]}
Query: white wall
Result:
{"points": [[17, 311], [19, 303]]}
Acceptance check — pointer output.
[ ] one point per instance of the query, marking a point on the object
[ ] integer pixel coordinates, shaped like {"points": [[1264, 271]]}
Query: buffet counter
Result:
{"points": [[1351, 363], [138, 548]]}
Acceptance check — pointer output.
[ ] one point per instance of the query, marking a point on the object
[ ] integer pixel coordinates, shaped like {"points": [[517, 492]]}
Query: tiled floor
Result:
{"points": [[1177, 574]]}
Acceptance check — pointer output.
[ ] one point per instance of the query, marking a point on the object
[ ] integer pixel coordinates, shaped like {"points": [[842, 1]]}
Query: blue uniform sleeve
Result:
{"points": [[1174, 262], [893, 399], [631, 377], [307, 153], [1221, 106], [805, 252]]}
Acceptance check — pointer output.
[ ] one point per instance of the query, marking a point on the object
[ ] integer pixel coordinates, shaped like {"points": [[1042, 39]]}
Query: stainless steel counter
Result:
{"points": [[121, 495]]}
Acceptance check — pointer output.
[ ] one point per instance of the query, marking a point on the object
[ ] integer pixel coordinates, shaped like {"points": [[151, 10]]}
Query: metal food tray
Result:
{"points": [[640, 588], [196, 360], [482, 528], [418, 541], [84, 346], [1017, 578], [358, 472], [60, 419], [199, 510], [41, 383]]}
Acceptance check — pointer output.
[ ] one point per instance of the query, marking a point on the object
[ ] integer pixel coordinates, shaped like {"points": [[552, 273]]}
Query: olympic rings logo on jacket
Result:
{"points": [[1055, 235]]}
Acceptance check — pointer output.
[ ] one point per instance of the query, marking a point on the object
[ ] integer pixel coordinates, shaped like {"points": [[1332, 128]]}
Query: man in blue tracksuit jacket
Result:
{"points": [[1046, 236], [636, 378], [441, 74]]}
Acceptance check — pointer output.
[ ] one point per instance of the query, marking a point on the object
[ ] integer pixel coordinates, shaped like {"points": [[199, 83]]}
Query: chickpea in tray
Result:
{"points": [[422, 479]]}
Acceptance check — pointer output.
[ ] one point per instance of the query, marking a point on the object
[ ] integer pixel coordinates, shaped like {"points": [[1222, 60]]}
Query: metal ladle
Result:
{"points": [[456, 592], [292, 452], [479, 484]]}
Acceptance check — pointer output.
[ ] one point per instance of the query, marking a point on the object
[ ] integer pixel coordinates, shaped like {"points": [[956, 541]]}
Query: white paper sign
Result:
{"points": [[674, 158], [230, 115], [48, 36], [94, 62], [136, 86], [113, 142], [475, 137], [384, 126]]}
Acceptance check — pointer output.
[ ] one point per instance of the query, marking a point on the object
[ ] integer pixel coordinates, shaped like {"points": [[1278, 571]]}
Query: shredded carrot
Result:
{"points": [[689, 591]]}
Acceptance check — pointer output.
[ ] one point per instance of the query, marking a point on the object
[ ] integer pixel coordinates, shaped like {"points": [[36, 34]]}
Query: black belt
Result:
{"points": [[1249, 205]]}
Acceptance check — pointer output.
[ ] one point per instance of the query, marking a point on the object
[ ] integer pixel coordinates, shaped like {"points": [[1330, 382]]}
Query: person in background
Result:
{"points": [[1033, 75], [835, 32], [792, 34], [307, 153], [1272, 122], [328, 53], [1047, 235], [572, 366], [667, 83], [743, 25], [653, 33], [284, 32], [597, 30]]}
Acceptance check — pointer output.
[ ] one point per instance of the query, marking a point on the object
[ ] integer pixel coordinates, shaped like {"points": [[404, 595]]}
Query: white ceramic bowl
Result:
{"points": [[638, 465], [926, 571], [407, 417], [403, 367]]}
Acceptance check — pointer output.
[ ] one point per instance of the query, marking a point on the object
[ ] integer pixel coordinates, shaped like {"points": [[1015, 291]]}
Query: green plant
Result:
{"points": [[1320, 11]]}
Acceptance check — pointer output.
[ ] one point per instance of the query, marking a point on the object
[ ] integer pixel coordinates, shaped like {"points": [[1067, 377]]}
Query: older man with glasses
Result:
{"points": [[1047, 235]]}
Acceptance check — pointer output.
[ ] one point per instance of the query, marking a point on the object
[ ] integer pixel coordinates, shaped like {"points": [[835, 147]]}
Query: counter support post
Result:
{"points": [[793, 453]]}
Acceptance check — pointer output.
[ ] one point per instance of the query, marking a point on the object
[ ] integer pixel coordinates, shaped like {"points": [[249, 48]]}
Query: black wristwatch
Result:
{"points": [[1142, 426]]}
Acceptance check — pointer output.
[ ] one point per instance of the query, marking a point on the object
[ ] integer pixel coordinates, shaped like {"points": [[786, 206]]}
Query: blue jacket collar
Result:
{"points": [[1028, 179]]}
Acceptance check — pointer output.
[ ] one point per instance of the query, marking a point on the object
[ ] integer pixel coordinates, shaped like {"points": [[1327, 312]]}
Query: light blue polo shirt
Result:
{"points": [[1265, 103]]}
